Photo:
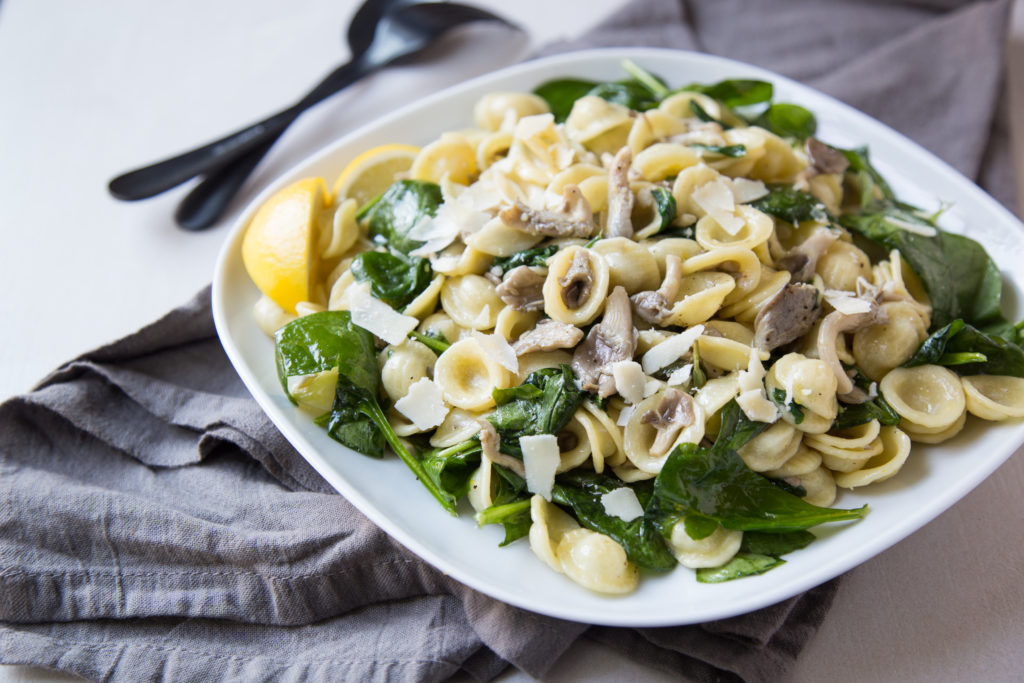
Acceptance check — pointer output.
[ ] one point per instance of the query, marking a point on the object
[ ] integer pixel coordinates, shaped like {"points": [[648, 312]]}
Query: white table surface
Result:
{"points": [[92, 89]]}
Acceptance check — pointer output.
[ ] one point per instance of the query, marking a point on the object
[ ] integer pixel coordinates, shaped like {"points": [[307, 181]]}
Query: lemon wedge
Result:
{"points": [[279, 245], [373, 171]]}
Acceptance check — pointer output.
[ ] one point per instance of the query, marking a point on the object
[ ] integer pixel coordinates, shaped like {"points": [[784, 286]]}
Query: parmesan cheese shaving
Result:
{"points": [[745, 190], [622, 503], [670, 350], [495, 346], [629, 380], [680, 376], [846, 303], [624, 416], [916, 228], [379, 318], [541, 458], [717, 200], [423, 404], [752, 399]]}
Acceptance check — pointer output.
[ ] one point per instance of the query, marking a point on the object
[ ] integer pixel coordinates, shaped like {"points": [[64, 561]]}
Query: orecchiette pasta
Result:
{"points": [[578, 315]]}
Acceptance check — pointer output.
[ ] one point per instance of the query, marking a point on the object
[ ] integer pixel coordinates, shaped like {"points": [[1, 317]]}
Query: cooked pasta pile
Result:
{"points": [[580, 318]]}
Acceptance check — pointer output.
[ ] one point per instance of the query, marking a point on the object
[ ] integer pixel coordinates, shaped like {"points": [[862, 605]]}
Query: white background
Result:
{"points": [[92, 89]]}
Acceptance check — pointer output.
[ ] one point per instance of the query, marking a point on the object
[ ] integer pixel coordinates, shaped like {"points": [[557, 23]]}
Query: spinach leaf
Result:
{"points": [[778, 397], [702, 114], [514, 516], [561, 94], [395, 279], [537, 256], [735, 93], [435, 341], [631, 94], [654, 84], [742, 564], [543, 404], [788, 121], [401, 207], [715, 483], [581, 491], [860, 413], [451, 468], [969, 351], [321, 341], [764, 543], [734, 151], [792, 205], [665, 204]]}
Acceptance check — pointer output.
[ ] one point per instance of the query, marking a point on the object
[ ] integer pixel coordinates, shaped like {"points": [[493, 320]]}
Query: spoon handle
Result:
{"points": [[163, 175]]}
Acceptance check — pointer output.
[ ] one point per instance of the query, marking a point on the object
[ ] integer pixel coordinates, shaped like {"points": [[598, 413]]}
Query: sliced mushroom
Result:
{"points": [[835, 324], [612, 340], [521, 288], [789, 315], [572, 218], [824, 158], [489, 441], [548, 335], [802, 260], [577, 281], [673, 413], [620, 197], [655, 306]]}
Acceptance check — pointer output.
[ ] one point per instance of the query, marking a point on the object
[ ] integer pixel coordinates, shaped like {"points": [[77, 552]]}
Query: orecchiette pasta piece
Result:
{"points": [[726, 354], [994, 397], [808, 382], [777, 163], [771, 448], [425, 302], [498, 239], [742, 263], [466, 375], [933, 436], [548, 525], [699, 297], [575, 175], [602, 445], [573, 445], [713, 396], [850, 459], [651, 126], [611, 430], [678, 105], [745, 309], [269, 316], [670, 246], [597, 562], [451, 155], [895, 449], [405, 364], [757, 228], [804, 461], [819, 485], [730, 329], [540, 360], [314, 392], [576, 285], [441, 324], [599, 125], [459, 259], [492, 148], [842, 265], [341, 290], [664, 159], [641, 435], [481, 486], [689, 180], [343, 233], [828, 187], [881, 347], [711, 551], [896, 280], [501, 110], [470, 300], [457, 426], [927, 395], [629, 473], [630, 265], [512, 322], [859, 436]]}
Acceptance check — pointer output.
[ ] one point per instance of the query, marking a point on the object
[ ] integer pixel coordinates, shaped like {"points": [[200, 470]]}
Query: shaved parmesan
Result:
{"points": [[916, 228], [529, 126], [622, 503], [624, 416], [846, 303], [629, 380], [752, 399], [651, 387], [454, 217], [423, 404], [670, 350], [379, 318], [717, 200], [745, 190], [681, 376], [541, 458], [496, 347]]}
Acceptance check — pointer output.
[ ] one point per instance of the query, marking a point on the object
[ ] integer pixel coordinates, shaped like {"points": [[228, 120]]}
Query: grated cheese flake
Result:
{"points": [[670, 350], [423, 404], [379, 318], [496, 346], [541, 458], [629, 380], [622, 503]]}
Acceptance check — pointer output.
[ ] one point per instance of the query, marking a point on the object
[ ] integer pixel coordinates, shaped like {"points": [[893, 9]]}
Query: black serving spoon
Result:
{"points": [[381, 33]]}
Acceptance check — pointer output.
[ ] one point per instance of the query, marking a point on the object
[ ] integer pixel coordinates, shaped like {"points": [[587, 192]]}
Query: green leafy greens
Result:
{"points": [[395, 279], [543, 404], [403, 205]]}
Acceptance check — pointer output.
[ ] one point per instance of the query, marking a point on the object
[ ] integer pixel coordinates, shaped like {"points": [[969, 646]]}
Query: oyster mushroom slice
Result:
{"points": [[620, 197], [655, 305], [548, 335], [802, 260], [521, 288], [613, 340], [789, 315], [825, 159], [577, 281], [489, 441], [673, 413], [572, 218]]}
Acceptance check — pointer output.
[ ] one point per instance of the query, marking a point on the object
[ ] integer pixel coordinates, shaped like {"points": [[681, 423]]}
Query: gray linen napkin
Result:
{"points": [[154, 524]]}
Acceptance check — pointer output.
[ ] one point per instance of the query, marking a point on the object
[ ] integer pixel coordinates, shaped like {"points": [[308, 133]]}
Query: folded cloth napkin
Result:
{"points": [[154, 523]]}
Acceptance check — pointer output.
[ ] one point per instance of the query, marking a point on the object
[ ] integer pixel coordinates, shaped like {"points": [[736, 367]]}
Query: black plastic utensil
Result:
{"points": [[382, 32]]}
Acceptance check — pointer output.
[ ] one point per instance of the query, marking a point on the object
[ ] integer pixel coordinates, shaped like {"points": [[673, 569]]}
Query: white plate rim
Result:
{"points": [[604, 610]]}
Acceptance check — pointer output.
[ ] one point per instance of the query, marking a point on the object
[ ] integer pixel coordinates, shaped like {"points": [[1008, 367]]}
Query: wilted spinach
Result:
{"points": [[543, 404], [403, 205], [792, 205], [969, 351], [511, 507], [788, 120], [714, 483], [581, 491], [329, 339], [451, 468], [534, 257], [435, 341], [759, 552], [877, 408], [665, 205], [395, 279], [734, 151]]}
